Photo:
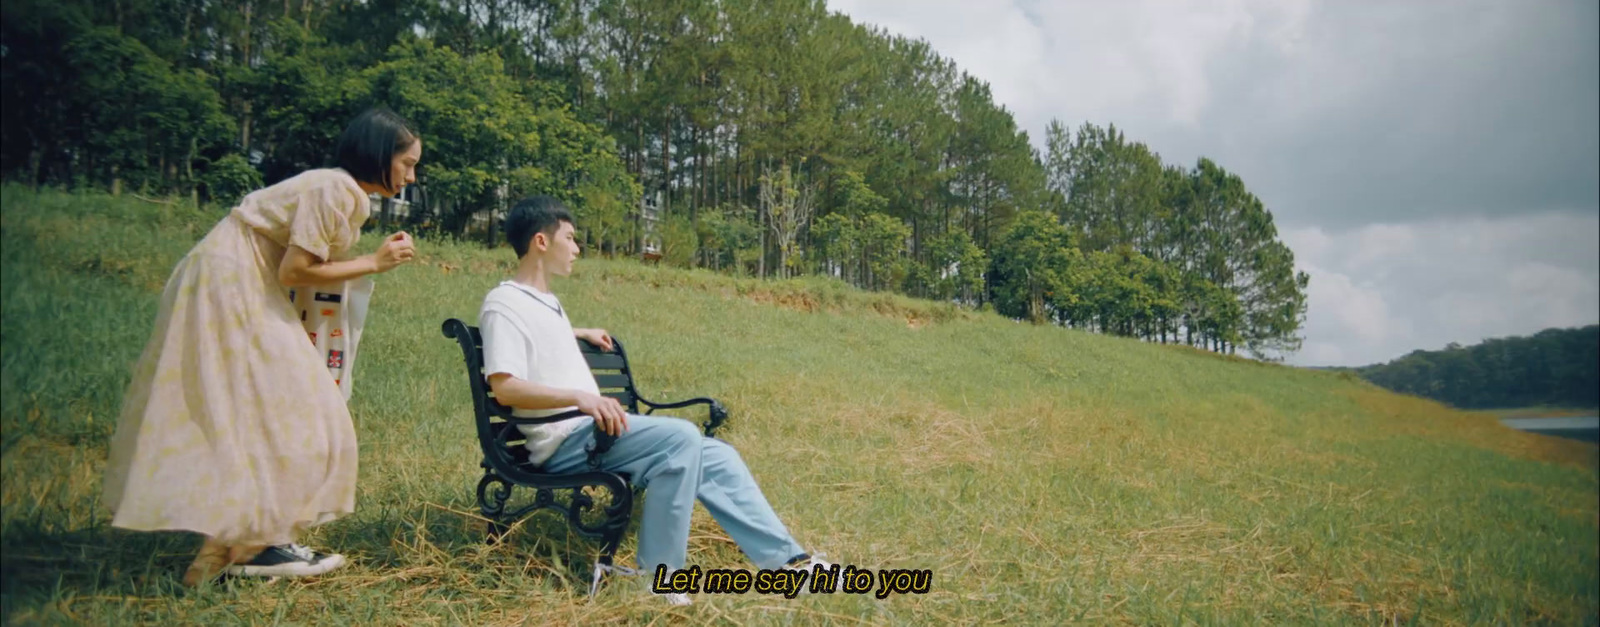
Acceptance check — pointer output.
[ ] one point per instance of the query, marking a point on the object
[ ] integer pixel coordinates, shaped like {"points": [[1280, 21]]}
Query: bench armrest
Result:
{"points": [[602, 440], [719, 414], [504, 413]]}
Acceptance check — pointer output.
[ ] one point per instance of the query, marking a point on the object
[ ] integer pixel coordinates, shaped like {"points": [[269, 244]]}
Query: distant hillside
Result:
{"points": [[1554, 367]]}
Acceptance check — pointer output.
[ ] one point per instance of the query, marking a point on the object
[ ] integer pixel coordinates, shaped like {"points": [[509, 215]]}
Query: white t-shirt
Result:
{"points": [[526, 334]]}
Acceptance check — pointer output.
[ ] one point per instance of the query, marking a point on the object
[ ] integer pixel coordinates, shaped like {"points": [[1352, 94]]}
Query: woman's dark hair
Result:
{"points": [[536, 214], [370, 142]]}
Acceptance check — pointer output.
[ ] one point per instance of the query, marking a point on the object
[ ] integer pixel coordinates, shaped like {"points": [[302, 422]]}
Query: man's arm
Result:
{"points": [[608, 414], [514, 392]]}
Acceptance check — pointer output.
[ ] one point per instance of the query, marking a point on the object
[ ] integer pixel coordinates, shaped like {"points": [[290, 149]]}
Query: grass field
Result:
{"points": [[1043, 475]]}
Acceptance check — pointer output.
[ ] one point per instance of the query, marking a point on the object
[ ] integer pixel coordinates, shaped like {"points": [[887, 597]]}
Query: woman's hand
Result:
{"points": [[395, 250]]}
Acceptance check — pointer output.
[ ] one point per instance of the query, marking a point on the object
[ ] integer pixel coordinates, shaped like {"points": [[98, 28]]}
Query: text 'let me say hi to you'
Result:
{"points": [[789, 583]]}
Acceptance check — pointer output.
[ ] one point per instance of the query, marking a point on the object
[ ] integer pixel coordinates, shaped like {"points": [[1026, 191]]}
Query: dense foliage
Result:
{"points": [[1554, 367], [766, 138]]}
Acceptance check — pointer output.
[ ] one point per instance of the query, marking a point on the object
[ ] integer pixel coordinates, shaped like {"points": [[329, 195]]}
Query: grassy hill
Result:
{"points": [[1042, 474]]}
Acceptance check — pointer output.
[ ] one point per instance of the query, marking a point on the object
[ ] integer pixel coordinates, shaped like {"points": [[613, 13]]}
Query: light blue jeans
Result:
{"points": [[676, 463]]}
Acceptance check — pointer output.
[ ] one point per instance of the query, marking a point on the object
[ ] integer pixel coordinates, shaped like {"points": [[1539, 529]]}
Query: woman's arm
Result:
{"points": [[300, 268]]}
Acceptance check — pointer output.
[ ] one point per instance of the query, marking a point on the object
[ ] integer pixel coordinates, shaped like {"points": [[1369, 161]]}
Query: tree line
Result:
{"points": [[1554, 367], [765, 138]]}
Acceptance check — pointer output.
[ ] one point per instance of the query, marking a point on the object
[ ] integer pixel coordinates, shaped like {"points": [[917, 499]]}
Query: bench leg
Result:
{"points": [[602, 566], [493, 492], [616, 526]]}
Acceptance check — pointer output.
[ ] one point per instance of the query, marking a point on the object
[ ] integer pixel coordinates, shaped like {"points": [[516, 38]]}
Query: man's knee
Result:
{"points": [[670, 446], [721, 451], [672, 435]]}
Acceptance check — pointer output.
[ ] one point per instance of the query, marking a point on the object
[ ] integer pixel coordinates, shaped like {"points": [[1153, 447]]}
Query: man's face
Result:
{"points": [[561, 249]]}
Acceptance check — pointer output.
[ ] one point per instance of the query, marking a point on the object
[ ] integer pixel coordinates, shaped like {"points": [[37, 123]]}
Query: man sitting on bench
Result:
{"points": [[533, 364]]}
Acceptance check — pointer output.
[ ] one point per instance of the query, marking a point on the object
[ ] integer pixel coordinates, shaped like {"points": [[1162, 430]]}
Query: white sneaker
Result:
{"points": [[286, 560], [810, 565], [676, 598]]}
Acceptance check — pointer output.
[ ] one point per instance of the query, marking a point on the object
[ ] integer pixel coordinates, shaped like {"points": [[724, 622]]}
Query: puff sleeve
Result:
{"points": [[322, 219]]}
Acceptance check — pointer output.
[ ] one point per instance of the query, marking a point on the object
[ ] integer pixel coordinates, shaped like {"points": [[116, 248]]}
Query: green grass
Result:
{"points": [[1044, 475]]}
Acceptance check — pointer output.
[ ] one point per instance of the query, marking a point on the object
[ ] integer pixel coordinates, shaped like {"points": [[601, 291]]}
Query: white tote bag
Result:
{"points": [[333, 316]]}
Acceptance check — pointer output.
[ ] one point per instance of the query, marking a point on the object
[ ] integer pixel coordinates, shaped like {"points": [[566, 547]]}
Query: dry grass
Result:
{"points": [[1043, 475], [1423, 417]]}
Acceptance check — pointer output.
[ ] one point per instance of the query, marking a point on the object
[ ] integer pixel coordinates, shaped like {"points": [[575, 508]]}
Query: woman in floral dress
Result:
{"points": [[233, 426]]}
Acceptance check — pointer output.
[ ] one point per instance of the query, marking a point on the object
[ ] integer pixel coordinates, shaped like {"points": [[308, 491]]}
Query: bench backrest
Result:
{"points": [[502, 442]]}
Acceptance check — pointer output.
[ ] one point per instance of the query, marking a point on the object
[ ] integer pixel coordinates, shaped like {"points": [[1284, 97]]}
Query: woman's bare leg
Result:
{"points": [[213, 557]]}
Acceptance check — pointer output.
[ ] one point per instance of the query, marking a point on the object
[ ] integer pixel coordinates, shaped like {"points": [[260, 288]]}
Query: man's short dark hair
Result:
{"points": [[537, 214], [369, 144]]}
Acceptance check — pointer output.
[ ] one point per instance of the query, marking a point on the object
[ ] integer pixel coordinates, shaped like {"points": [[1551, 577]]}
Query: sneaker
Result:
{"points": [[676, 598], [808, 563], [286, 560]]}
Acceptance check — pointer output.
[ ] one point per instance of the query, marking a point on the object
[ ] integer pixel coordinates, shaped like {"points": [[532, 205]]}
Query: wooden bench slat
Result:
{"points": [[613, 381], [625, 398], [605, 361]]}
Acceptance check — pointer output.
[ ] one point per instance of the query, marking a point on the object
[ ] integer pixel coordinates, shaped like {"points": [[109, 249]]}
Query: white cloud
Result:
{"points": [[1321, 353], [1383, 290], [1374, 243], [1357, 311]]}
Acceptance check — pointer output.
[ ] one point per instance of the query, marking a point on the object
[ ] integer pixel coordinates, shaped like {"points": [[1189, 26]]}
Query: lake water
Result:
{"points": [[1584, 428]]}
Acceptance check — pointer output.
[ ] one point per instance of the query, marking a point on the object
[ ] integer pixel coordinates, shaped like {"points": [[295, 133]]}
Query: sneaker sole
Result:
{"points": [[291, 569], [677, 600]]}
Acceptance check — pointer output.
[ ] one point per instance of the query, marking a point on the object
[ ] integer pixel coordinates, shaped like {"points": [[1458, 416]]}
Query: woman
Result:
{"points": [[232, 426]]}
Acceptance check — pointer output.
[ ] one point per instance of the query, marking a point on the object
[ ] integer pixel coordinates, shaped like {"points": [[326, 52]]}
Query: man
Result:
{"points": [[533, 364]]}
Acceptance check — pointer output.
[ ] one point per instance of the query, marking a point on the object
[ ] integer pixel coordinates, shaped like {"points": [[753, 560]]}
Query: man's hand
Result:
{"points": [[597, 337], [607, 412]]}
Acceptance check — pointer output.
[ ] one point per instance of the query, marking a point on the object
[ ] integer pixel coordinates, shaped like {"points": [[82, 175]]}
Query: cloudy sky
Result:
{"points": [[1434, 165]]}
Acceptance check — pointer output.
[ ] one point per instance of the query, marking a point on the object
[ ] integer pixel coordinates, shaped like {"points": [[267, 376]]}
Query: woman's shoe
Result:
{"points": [[287, 560]]}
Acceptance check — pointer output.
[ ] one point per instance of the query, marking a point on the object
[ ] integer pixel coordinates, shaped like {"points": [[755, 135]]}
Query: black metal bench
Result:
{"points": [[505, 459]]}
